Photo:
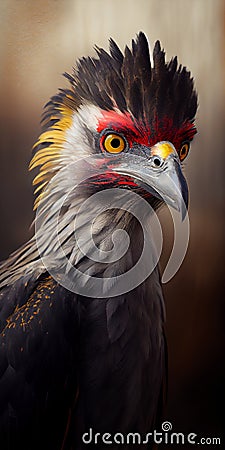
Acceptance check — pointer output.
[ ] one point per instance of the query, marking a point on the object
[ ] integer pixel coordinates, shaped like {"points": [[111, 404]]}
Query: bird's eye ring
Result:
{"points": [[184, 151], [113, 143]]}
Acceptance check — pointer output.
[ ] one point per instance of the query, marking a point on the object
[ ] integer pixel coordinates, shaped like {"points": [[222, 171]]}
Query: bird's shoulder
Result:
{"points": [[38, 351]]}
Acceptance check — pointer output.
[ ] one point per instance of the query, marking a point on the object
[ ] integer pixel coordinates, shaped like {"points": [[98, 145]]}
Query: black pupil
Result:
{"points": [[184, 149], [115, 142]]}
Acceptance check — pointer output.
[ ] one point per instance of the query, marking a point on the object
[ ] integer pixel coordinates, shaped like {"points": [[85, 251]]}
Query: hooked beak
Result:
{"points": [[160, 174]]}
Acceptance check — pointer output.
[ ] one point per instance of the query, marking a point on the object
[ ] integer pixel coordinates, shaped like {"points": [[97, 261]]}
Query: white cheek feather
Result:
{"points": [[76, 142], [90, 115]]}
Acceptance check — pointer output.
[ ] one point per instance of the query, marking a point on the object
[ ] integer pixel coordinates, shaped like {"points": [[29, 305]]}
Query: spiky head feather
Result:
{"points": [[160, 100]]}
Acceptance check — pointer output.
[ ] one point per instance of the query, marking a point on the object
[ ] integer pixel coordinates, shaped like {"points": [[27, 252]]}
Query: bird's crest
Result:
{"points": [[160, 98]]}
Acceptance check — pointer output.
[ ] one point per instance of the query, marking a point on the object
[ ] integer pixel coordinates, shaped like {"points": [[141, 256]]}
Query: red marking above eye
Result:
{"points": [[125, 124], [138, 132]]}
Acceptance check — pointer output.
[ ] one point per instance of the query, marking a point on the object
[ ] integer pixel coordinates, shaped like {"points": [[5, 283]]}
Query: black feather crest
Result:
{"points": [[152, 94], [130, 83]]}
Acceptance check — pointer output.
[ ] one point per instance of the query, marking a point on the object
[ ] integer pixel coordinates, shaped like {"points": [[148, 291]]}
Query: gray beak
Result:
{"points": [[160, 174]]}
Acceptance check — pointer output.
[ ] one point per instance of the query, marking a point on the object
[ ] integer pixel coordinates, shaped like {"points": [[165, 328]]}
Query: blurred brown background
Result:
{"points": [[41, 39]]}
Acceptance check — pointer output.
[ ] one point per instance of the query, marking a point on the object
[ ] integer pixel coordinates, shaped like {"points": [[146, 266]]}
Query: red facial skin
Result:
{"points": [[113, 180], [142, 134], [137, 132]]}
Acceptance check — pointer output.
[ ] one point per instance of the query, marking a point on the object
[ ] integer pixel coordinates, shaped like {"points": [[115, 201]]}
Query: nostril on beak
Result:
{"points": [[157, 161]]}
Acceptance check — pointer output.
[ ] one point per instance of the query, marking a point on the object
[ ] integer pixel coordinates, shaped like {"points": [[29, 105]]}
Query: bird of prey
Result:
{"points": [[83, 355]]}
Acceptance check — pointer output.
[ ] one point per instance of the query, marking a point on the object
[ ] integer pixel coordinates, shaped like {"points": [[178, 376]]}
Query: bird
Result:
{"points": [[83, 356]]}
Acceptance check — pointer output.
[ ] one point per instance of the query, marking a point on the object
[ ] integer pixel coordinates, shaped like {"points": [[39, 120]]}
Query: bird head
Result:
{"points": [[137, 118]]}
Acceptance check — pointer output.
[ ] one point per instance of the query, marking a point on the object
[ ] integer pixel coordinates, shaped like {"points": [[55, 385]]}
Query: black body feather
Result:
{"points": [[70, 363]]}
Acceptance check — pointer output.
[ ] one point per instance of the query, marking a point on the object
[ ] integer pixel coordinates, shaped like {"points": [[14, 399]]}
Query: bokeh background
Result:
{"points": [[41, 39]]}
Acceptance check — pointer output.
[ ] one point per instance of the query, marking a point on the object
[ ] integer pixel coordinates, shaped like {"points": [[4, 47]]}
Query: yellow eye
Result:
{"points": [[113, 143], [184, 151]]}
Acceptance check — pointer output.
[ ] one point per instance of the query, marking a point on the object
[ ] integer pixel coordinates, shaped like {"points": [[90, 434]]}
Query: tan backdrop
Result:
{"points": [[41, 39]]}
